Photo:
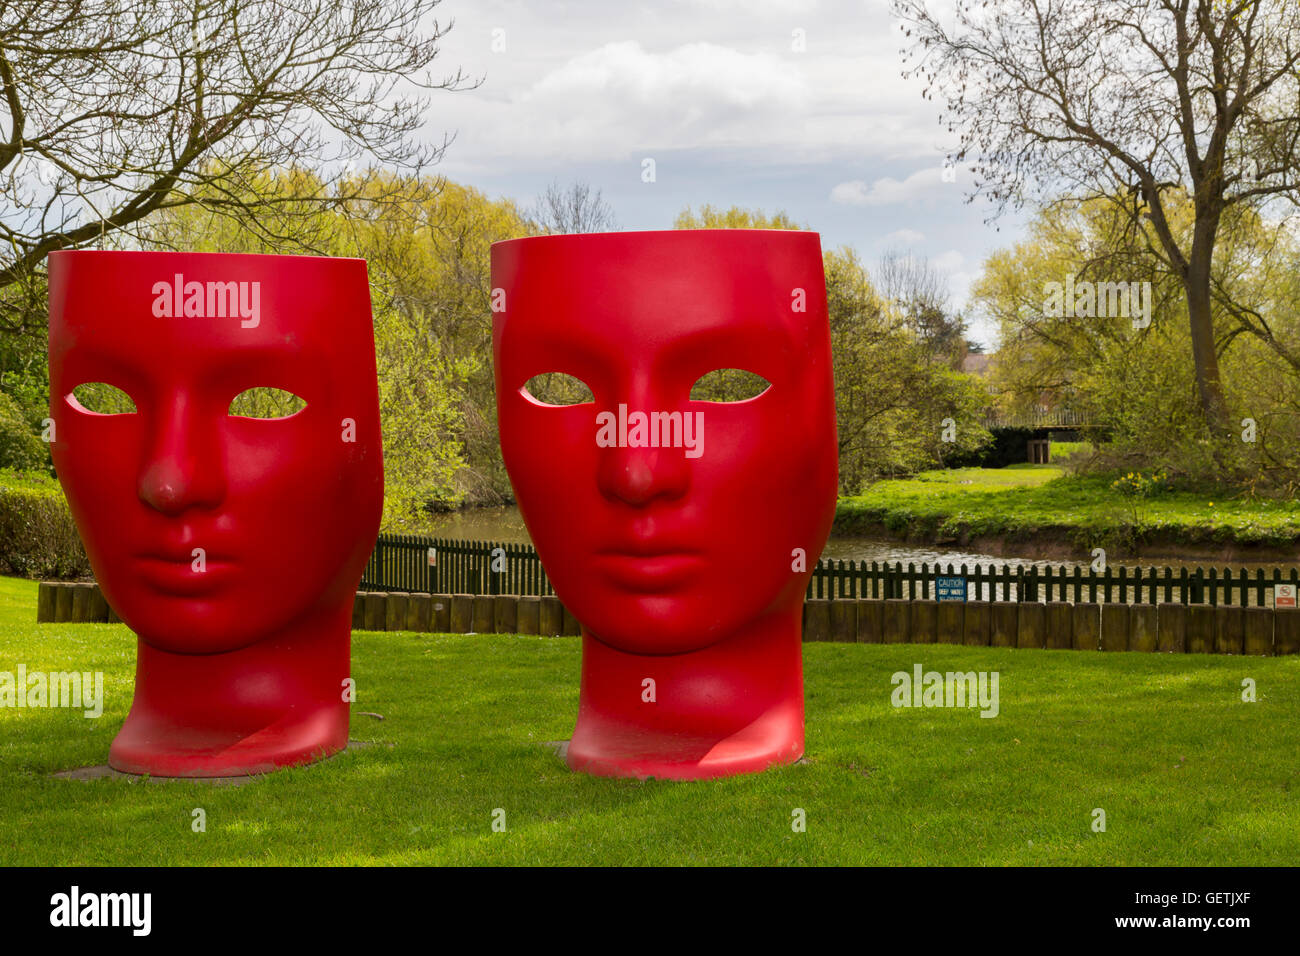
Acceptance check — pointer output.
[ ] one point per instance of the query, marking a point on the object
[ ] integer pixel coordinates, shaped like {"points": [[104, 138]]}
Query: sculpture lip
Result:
{"points": [[649, 549], [650, 568], [176, 576], [179, 556]]}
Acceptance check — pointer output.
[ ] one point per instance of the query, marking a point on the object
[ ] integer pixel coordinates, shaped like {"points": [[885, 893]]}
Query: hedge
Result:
{"points": [[38, 538]]}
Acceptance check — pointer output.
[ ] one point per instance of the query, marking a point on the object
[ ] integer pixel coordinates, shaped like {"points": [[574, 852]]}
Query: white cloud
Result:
{"points": [[702, 74], [904, 237], [621, 101], [615, 83], [887, 191], [950, 261]]}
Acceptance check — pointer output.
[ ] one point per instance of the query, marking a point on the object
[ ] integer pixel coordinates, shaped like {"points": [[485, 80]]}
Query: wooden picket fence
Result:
{"points": [[1077, 584], [423, 564], [418, 563]]}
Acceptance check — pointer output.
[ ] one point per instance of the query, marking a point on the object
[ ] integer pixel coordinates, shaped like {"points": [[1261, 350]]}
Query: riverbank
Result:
{"points": [[1041, 511]]}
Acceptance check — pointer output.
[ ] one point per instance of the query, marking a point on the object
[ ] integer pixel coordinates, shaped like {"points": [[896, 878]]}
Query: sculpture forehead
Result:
{"points": [[109, 302], [660, 286]]}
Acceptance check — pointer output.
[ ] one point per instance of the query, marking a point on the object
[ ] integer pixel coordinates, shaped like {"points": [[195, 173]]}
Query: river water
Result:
{"points": [[505, 524]]}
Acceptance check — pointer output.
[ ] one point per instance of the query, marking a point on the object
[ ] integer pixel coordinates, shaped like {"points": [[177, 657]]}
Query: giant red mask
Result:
{"points": [[231, 545], [681, 541]]}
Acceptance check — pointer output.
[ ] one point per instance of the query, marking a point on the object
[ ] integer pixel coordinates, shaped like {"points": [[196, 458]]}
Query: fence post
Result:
{"points": [[949, 626], [528, 614], [484, 614], [1229, 626], [81, 602], [63, 604], [1002, 623], [1171, 627], [975, 623], [98, 605], [462, 614], [1087, 626], [870, 622], [923, 622], [1031, 624], [1200, 629], [1142, 627], [419, 612], [1286, 632], [817, 620], [844, 620], [1258, 631], [394, 611], [440, 622], [505, 616], [1060, 625], [375, 610], [1114, 627], [550, 616], [896, 614], [47, 595]]}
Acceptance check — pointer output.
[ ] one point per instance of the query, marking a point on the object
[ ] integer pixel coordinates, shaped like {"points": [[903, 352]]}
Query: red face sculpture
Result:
{"points": [[232, 545], [679, 532]]}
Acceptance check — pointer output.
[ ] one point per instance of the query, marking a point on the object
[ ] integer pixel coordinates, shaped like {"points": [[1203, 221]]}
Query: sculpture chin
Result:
{"points": [[658, 625], [191, 625], [198, 643]]}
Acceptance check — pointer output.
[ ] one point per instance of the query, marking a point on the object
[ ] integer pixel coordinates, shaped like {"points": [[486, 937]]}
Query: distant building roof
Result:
{"points": [[976, 363]]}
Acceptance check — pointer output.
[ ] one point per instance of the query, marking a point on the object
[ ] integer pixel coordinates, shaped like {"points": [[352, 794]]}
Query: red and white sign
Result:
{"points": [[1284, 595]]}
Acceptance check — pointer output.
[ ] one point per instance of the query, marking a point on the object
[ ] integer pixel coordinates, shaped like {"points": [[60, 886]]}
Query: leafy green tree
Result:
{"points": [[20, 448], [1138, 381]]}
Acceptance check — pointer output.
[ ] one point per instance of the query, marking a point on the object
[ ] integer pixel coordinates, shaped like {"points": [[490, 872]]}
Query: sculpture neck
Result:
{"points": [[733, 707], [277, 702]]}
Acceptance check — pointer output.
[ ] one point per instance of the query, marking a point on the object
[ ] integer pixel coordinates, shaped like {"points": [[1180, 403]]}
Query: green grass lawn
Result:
{"points": [[1024, 500], [1186, 772]]}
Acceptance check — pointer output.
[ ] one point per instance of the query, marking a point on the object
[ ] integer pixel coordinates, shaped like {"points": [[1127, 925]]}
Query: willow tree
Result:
{"points": [[1134, 102]]}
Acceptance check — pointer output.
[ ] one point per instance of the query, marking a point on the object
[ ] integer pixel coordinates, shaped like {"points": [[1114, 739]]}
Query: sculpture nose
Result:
{"points": [[647, 460], [637, 476], [183, 467]]}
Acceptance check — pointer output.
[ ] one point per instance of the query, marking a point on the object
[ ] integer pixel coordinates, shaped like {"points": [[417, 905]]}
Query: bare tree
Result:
{"points": [[576, 209], [918, 292], [1147, 104], [111, 110]]}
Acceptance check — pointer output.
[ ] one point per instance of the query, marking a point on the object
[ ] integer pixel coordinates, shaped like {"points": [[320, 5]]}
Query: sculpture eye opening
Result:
{"points": [[728, 385], [100, 398], [265, 402], [558, 389]]}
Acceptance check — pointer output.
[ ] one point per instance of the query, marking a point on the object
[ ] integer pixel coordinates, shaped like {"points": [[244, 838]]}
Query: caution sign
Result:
{"points": [[1284, 595], [950, 589]]}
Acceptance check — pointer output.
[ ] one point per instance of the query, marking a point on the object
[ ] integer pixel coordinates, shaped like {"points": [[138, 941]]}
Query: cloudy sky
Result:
{"points": [[718, 94]]}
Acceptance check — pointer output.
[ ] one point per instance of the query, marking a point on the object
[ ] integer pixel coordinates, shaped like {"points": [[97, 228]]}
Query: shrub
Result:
{"points": [[19, 447], [38, 538]]}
